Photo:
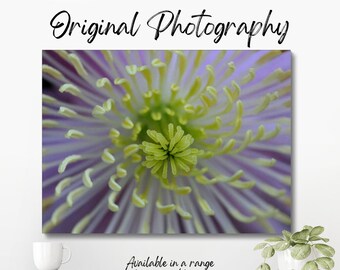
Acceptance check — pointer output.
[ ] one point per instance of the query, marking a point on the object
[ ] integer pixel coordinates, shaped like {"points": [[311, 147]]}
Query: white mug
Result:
{"points": [[49, 255]]}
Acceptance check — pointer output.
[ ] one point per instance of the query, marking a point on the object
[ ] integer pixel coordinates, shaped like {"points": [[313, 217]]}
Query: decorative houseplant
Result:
{"points": [[304, 249]]}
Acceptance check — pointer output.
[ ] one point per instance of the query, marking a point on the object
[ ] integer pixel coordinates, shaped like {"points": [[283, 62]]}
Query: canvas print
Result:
{"points": [[166, 142]]}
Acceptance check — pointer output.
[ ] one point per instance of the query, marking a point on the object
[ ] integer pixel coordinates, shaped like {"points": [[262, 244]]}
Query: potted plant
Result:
{"points": [[304, 249]]}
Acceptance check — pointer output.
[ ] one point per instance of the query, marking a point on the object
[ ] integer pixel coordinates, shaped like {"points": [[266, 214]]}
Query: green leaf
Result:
{"points": [[311, 265], [301, 251], [318, 238], [317, 230], [325, 263], [300, 236], [309, 228], [268, 252], [282, 245], [260, 246], [325, 250], [263, 266], [274, 239], [287, 235]]}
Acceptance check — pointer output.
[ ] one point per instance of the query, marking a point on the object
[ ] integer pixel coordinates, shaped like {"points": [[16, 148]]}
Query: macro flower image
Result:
{"points": [[166, 142]]}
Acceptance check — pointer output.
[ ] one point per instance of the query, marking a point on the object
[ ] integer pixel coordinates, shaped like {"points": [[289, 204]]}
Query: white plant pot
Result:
{"points": [[286, 262]]}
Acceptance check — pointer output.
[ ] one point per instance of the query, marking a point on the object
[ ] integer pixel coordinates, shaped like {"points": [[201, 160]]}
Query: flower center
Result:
{"points": [[171, 150]]}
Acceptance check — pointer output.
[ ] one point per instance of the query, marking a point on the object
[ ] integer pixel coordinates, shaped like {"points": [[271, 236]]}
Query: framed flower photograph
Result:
{"points": [[166, 142]]}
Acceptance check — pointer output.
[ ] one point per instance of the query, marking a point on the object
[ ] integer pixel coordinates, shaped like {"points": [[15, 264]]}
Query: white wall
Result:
{"points": [[313, 38]]}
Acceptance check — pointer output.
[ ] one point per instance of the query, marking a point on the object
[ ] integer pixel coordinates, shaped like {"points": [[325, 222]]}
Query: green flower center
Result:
{"points": [[169, 150]]}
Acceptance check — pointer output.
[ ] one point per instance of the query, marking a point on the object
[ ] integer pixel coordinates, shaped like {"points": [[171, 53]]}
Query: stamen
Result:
{"points": [[131, 70], [174, 91], [127, 123], [182, 190], [81, 225], [87, 178], [56, 216], [107, 157], [228, 147], [266, 101], [98, 112], [230, 70], [171, 131], [282, 217], [249, 77], [136, 158], [75, 61], [211, 75], [52, 72], [67, 161], [198, 58], [130, 150], [247, 140], [48, 99], [260, 133], [184, 214], [61, 186], [199, 227], [279, 75], [194, 88], [156, 116], [111, 202], [205, 207], [125, 84], [216, 124], [113, 184], [182, 64], [272, 134], [156, 94], [136, 130], [287, 180], [104, 83], [271, 191], [126, 100], [139, 172], [147, 98], [74, 134], [189, 108], [75, 195], [269, 56], [243, 185], [165, 209], [67, 112], [285, 90], [161, 69], [265, 162], [147, 75], [71, 89], [108, 56], [48, 226], [121, 172], [114, 133], [137, 200], [49, 123], [219, 179], [62, 53], [109, 105], [240, 217], [237, 89]]}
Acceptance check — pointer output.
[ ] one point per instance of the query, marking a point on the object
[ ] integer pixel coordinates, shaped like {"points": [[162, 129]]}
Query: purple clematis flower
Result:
{"points": [[166, 141]]}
